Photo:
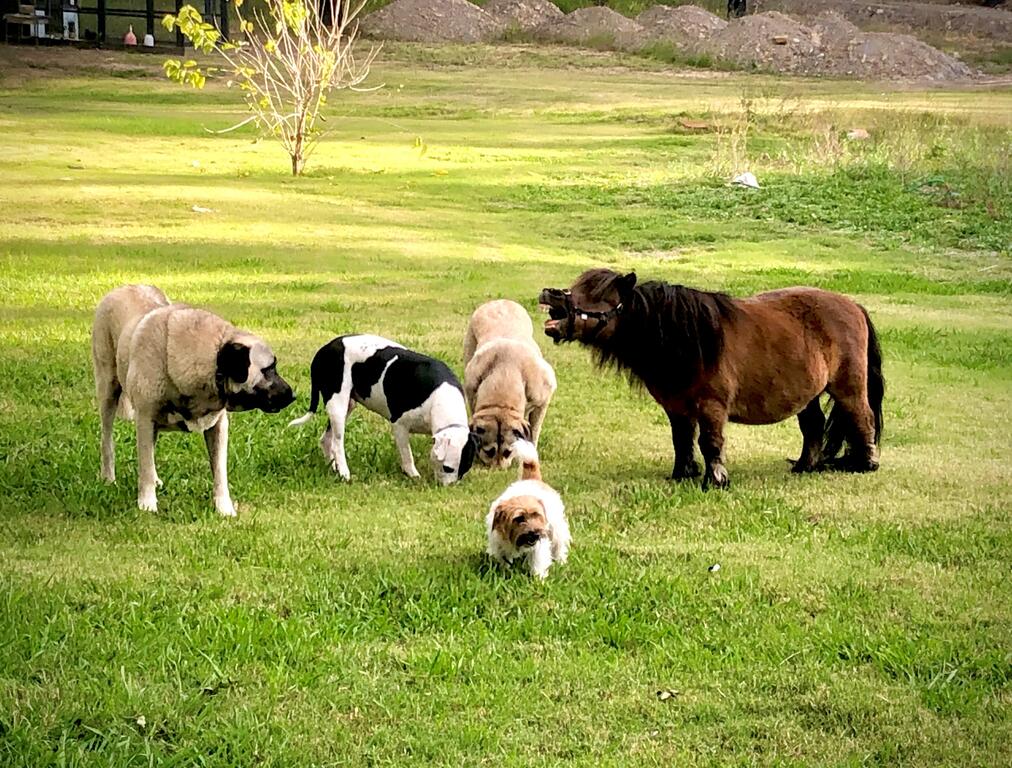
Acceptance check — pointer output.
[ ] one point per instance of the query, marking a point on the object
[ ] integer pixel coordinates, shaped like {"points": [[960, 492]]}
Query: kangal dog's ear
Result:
{"points": [[233, 363]]}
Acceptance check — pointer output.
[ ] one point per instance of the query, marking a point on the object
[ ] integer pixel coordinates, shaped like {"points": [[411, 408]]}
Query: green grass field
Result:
{"points": [[855, 620]]}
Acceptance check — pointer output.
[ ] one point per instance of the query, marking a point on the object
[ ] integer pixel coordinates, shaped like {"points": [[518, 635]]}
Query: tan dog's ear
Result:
{"points": [[524, 433]]}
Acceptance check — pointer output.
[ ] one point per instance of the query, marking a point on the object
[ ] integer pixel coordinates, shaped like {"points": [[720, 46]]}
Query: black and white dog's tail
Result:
{"points": [[314, 402]]}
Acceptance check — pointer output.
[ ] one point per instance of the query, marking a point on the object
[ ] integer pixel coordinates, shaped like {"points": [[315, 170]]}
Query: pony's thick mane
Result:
{"points": [[667, 335]]}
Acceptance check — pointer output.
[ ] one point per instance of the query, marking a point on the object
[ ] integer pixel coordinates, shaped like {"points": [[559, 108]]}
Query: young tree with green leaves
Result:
{"points": [[288, 58]]}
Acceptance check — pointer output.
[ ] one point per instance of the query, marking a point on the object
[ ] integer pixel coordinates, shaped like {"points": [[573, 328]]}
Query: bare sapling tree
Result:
{"points": [[291, 55]]}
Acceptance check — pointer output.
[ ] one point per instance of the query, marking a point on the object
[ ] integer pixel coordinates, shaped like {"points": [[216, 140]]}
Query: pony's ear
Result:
{"points": [[625, 284]]}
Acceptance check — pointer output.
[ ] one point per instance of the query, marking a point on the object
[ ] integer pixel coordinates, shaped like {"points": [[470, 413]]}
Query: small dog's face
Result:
{"points": [[452, 454], [521, 521], [497, 430], [596, 291], [248, 371]]}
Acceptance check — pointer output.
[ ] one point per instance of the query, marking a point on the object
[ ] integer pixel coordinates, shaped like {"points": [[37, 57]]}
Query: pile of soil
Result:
{"points": [[918, 18], [596, 27], [685, 26], [431, 21], [831, 46], [522, 14], [834, 32], [768, 41], [886, 54]]}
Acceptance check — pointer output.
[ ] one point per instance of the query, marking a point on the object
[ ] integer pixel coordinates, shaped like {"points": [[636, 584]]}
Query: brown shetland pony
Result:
{"points": [[708, 359]]}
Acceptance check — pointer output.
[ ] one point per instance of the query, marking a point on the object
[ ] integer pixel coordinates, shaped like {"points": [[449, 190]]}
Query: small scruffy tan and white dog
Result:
{"points": [[529, 519]]}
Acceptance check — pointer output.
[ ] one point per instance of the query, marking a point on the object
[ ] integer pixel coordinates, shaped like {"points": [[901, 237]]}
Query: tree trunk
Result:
{"points": [[298, 160]]}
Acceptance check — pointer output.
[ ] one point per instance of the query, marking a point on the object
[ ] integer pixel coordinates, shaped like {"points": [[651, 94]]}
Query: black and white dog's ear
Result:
{"points": [[468, 453], [233, 362], [625, 284]]}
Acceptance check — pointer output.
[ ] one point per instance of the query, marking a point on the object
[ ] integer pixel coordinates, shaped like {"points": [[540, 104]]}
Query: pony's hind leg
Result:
{"points": [[813, 424], [858, 428], [683, 433]]}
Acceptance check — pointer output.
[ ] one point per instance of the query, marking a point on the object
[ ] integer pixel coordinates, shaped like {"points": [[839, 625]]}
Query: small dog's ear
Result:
{"points": [[625, 284], [501, 520], [233, 362]]}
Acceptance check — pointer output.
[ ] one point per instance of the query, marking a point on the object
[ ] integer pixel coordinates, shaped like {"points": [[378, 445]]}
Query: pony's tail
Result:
{"points": [[530, 465], [314, 402], [876, 381], [837, 423]]}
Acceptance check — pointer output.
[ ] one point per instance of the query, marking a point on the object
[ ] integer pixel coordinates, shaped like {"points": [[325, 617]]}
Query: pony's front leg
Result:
{"points": [[683, 432], [813, 426], [712, 418]]}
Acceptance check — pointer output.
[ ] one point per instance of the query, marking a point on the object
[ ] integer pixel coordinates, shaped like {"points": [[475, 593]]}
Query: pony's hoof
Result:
{"points": [[850, 463], [716, 477], [686, 471], [802, 466]]}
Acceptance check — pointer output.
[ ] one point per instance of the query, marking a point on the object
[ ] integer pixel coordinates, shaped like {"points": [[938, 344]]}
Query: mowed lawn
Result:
{"points": [[854, 620]]}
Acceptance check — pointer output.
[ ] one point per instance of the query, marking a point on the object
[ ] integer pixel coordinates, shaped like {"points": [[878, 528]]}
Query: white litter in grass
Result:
{"points": [[746, 179], [201, 209], [714, 568]]}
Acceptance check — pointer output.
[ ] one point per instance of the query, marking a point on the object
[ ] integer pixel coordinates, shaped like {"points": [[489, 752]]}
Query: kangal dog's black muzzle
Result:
{"points": [[270, 394]]}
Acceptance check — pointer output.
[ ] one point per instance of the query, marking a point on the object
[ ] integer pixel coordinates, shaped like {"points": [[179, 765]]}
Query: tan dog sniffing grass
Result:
{"points": [[507, 382], [529, 519]]}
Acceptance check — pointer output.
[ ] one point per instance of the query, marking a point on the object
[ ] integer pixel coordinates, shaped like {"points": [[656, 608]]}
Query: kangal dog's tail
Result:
{"points": [[314, 401], [530, 465]]}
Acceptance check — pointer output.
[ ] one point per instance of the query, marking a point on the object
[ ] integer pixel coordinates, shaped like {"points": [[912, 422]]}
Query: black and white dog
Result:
{"points": [[418, 394]]}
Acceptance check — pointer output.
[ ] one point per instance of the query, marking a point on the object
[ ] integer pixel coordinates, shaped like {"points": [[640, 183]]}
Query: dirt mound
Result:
{"points": [[917, 18], [431, 21], [831, 46], [685, 26], [522, 14], [834, 31], [886, 54], [596, 27], [768, 41]]}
